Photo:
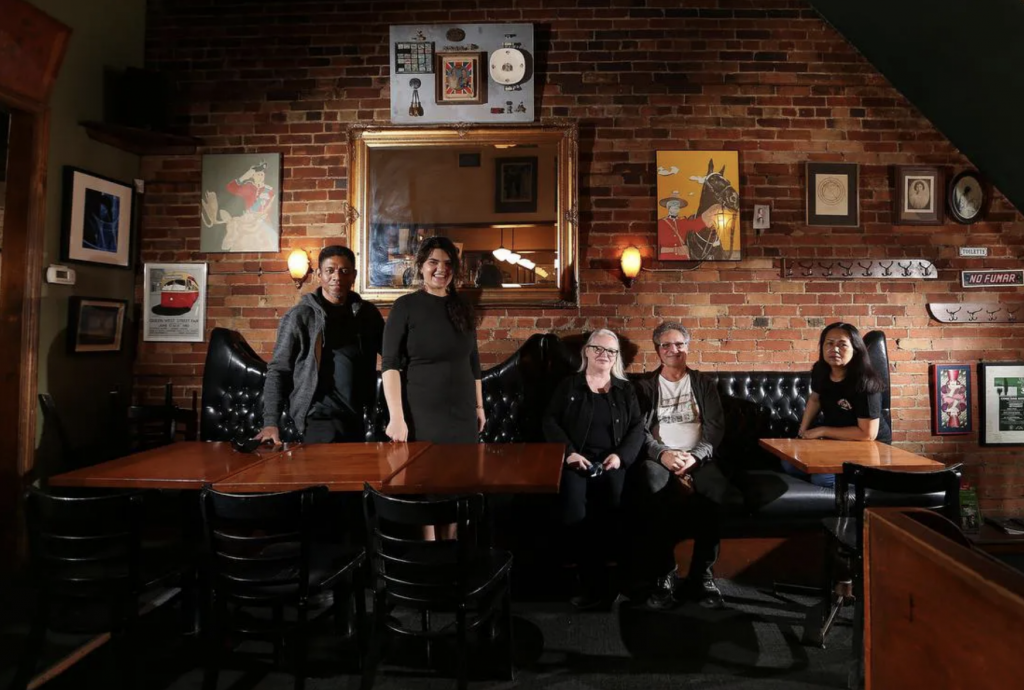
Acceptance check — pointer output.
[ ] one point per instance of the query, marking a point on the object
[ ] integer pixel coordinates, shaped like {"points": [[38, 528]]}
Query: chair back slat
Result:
{"points": [[259, 544], [80, 544], [411, 569]]}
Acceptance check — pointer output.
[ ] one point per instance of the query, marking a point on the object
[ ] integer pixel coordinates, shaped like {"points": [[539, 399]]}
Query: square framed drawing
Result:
{"points": [[698, 206], [458, 79], [951, 399], [239, 207], [1001, 392], [97, 219], [95, 324], [920, 195], [515, 185], [833, 196], [174, 303]]}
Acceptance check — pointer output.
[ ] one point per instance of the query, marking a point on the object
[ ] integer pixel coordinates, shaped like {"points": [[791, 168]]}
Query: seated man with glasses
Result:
{"points": [[325, 359], [676, 487]]}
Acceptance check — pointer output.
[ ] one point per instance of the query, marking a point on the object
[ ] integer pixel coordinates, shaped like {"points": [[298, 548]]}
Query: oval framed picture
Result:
{"points": [[968, 197]]}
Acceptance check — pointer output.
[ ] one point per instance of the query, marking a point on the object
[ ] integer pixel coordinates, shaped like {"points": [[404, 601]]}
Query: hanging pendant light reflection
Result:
{"points": [[501, 253]]}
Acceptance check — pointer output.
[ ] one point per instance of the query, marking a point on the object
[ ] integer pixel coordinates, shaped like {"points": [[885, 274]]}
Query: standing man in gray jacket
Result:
{"points": [[678, 488], [325, 359]]}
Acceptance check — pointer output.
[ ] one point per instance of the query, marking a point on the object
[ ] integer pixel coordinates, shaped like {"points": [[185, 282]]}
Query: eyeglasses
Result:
{"points": [[669, 346], [598, 350]]}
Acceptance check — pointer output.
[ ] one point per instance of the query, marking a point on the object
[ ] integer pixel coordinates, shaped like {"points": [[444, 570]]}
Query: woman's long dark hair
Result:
{"points": [[460, 312], [860, 370]]}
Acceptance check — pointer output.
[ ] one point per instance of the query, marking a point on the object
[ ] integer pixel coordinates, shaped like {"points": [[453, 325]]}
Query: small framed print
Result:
{"points": [[97, 219], [174, 303], [458, 79], [515, 185], [1001, 392], [920, 195], [95, 325], [832, 193], [951, 399], [968, 197]]}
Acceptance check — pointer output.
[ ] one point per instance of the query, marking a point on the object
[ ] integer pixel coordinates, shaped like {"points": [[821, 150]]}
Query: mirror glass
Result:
{"points": [[506, 198]]}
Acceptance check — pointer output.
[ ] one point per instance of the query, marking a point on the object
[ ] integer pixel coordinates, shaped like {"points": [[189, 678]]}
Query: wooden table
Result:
{"points": [[489, 468], [820, 456], [339, 466], [184, 465]]}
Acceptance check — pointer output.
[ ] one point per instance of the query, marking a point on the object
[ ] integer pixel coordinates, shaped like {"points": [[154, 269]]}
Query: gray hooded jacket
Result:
{"points": [[294, 369]]}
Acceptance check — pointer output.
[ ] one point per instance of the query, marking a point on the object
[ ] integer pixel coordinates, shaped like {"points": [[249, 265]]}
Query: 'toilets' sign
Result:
{"points": [[977, 279]]}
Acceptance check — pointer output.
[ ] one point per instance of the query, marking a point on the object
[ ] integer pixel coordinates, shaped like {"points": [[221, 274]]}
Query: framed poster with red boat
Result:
{"points": [[174, 303]]}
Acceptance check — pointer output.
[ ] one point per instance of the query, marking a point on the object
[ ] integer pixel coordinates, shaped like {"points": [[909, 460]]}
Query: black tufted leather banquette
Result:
{"points": [[758, 404]]}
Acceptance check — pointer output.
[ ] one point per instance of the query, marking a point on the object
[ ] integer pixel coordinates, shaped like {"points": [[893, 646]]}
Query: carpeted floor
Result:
{"points": [[753, 643]]}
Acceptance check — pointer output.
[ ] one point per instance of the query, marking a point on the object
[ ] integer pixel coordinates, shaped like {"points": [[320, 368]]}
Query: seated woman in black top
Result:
{"points": [[847, 391], [596, 415]]}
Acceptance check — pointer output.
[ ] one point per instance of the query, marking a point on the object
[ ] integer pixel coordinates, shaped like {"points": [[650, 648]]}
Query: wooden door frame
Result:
{"points": [[33, 46]]}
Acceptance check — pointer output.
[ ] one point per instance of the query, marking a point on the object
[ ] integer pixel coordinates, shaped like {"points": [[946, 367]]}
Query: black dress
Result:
{"points": [[439, 367]]}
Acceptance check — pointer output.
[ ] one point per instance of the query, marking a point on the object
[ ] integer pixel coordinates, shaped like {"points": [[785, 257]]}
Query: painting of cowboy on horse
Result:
{"points": [[688, 179]]}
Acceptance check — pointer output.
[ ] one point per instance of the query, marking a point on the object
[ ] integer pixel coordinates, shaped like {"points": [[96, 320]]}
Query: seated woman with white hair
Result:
{"points": [[596, 415]]}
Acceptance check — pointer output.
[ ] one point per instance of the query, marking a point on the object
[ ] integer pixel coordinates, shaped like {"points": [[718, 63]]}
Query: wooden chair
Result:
{"points": [[457, 575], [858, 488], [151, 426], [88, 550], [261, 554]]}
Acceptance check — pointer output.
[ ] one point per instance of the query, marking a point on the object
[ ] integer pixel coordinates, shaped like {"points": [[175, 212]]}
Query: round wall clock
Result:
{"points": [[968, 196], [508, 66]]}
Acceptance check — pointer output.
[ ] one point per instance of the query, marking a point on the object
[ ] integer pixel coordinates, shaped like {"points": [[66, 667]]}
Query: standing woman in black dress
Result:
{"points": [[430, 364]]}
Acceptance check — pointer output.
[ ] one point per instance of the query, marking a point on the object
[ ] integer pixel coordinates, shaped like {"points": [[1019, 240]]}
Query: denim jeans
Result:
{"points": [[825, 480]]}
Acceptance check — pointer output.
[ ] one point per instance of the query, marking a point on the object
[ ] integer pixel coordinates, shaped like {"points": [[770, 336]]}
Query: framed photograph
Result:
{"points": [[239, 208], [1001, 392], [97, 219], [833, 196], [515, 185], [95, 324], [458, 79], [968, 197], [174, 303], [698, 214], [920, 195], [951, 399]]}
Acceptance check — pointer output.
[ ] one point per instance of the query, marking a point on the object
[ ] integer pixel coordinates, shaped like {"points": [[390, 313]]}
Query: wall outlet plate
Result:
{"points": [[61, 275], [762, 216]]}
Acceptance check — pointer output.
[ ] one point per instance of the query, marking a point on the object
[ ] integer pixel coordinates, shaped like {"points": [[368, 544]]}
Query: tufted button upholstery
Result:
{"points": [[515, 393], [233, 391]]}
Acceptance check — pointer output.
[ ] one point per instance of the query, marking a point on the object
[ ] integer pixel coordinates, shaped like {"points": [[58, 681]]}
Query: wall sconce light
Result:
{"points": [[631, 263], [299, 267]]}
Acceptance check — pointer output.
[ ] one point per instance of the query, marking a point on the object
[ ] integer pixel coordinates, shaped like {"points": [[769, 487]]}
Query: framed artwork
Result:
{"points": [[458, 79], [174, 303], [968, 197], [239, 208], [833, 196], [1001, 391], [95, 324], [951, 399], [515, 185], [698, 206], [919, 195], [97, 219]]}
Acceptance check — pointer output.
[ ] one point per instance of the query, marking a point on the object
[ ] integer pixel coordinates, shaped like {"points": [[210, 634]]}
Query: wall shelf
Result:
{"points": [[142, 142]]}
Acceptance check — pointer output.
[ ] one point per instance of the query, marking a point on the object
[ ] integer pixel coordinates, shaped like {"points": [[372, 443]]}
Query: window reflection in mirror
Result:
{"points": [[501, 195]]}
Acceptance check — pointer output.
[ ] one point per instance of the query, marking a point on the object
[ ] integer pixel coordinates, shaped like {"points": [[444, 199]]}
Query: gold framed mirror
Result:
{"points": [[506, 196]]}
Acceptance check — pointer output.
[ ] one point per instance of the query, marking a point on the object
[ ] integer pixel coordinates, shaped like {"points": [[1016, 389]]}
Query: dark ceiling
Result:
{"points": [[960, 62]]}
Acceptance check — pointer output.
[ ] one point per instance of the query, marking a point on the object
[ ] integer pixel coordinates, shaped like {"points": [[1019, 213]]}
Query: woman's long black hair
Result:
{"points": [[859, 370], [460, 312]]}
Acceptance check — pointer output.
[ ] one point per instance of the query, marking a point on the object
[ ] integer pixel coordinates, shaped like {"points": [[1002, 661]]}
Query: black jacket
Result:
{"points": [[568, 416], [712, 416]]}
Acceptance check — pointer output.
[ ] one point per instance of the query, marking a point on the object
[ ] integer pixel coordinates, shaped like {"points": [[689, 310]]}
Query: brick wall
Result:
{"points": [[765, 77]]}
